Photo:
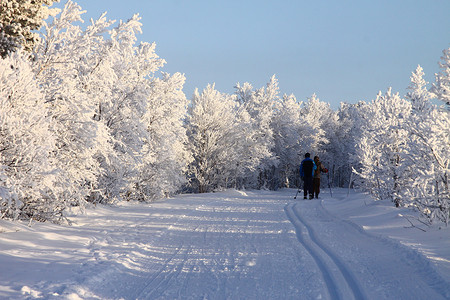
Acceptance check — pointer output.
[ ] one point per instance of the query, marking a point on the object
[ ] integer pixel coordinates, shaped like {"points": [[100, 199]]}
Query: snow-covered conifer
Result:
{"points": [[441, 88], [18, 19]]}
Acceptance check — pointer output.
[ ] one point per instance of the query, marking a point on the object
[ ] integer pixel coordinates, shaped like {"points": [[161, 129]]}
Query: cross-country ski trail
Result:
{"points": [[229, 245]]}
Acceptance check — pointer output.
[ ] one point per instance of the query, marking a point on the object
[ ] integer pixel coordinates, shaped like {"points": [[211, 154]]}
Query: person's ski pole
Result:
{"points": [[297, 193]]}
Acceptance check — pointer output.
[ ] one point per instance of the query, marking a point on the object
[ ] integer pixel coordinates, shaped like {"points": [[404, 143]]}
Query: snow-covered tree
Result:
{"points": [[116, 121], [343, 147], [64, 58], [165, 154], [126, 72], [245, 162], [382, 146], [18, 19], [417, 91], [143, 114], [298, 129], [428, 154], [441, 88], [213, 137], [288, 130], [323, 123], [260, 106], [430, 157], [27, 176], [316, 113]]}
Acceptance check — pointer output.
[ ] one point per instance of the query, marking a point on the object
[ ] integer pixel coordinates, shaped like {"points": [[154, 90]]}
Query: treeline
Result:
{"points": [[86, 116]]}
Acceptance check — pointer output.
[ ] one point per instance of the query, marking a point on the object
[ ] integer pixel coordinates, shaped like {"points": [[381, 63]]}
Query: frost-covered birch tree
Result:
{"points": [[382, 146], [27, 175], [288, 130], [260, 105], [297, 128], [347, 133], [427, 187], [213, 137], [64, 59], [165, 155], [126, 72], [315, 113], [102, 87]]}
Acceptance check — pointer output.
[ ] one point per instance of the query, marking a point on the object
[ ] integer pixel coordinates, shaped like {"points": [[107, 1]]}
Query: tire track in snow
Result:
{"points": [[340, 282]]}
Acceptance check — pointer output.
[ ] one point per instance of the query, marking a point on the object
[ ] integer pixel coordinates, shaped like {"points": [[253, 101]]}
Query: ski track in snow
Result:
{"points": [[232, 245], [358, 265], [214, 265], [231, 248], [339, 280]]}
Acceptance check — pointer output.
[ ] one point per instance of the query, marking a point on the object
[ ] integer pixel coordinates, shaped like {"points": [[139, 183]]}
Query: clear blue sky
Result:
{"points": [[344, 51]]}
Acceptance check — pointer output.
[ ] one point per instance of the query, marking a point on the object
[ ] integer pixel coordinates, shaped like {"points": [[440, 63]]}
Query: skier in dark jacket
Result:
{"points": [[307, 168]]}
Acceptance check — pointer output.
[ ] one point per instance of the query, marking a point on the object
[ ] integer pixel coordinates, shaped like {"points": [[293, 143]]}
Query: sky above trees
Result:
{"points": [[340, 50]]}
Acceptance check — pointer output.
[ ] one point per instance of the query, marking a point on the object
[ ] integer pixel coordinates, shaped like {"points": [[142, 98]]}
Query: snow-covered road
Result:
{"points": [[230, 245]]}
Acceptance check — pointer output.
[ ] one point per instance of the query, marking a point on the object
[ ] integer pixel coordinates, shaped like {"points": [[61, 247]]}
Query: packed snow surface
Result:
{"points": [[230, 245]]}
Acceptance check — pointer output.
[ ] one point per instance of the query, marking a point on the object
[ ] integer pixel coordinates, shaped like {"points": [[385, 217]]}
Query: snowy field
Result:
{"points": [[230, 245]]}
